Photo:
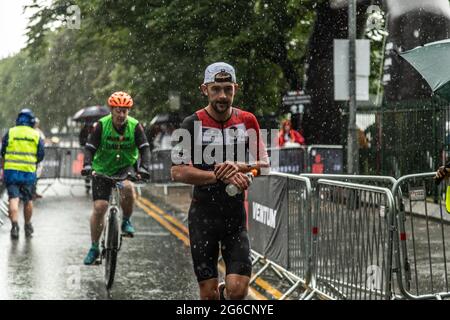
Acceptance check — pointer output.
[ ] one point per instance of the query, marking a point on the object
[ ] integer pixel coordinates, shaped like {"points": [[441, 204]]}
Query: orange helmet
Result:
{"points": [[120, 99]]}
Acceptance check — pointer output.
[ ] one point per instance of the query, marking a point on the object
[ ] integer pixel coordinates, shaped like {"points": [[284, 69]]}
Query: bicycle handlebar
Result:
{"points": [[116, 179]]}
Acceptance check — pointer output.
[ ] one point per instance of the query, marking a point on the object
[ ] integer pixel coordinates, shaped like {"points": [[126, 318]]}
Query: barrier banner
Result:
{"points": [[268, 218], [288, 160]]}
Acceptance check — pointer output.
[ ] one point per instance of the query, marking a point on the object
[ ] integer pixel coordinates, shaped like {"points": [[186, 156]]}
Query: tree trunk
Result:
{"points": [[322, 120]]}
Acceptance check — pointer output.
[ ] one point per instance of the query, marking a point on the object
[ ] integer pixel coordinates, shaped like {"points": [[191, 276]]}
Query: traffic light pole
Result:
{"points": [[352, 137]]}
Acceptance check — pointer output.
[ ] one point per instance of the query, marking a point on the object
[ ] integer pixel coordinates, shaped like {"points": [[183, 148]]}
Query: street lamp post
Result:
{"points": [[352, 137]]}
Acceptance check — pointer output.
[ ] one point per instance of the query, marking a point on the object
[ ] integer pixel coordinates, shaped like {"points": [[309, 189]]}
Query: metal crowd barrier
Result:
{"points": [[49, 167], [340, 246], [62, 164], [422, 239], [351, 240], [4, 208], [299, 262], [378, 181], [71, 163], [362, 236], [299, 223]]}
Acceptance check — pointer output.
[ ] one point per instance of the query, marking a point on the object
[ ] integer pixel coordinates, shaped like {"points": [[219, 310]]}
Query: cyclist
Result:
{"points": [[217, 220], [112, 148], [22, 150]]}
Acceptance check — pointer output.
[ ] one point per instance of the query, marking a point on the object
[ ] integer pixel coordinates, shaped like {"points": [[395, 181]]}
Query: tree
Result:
{"points": [[322, 121], [169, 43]]}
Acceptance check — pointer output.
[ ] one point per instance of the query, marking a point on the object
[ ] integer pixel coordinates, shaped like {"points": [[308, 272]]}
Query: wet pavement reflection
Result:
{"points": [[152, 265]]}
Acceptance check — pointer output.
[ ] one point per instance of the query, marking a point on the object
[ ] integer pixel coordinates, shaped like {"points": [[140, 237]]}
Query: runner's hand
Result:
{"points": [[239, 179], [225, 170]]}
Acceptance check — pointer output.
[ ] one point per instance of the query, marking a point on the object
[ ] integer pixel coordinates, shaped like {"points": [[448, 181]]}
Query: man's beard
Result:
{"points": [[222, 108]]}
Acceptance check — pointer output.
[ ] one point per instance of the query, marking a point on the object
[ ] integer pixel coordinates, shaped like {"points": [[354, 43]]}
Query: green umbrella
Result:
{"points": [[432, 61]]}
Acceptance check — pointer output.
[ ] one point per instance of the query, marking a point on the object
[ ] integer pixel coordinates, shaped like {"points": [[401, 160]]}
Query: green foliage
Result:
{"points": [[152, 47]]}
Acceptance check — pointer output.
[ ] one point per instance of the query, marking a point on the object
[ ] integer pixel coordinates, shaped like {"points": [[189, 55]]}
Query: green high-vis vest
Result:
{"points": [[447, 199], [116, 151], [21, 152]]}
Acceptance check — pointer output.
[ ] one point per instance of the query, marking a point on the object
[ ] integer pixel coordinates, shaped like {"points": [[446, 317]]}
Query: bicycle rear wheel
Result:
{"points": [[112, 248]]}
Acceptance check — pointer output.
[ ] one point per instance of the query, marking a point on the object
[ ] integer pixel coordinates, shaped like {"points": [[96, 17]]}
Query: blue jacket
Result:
{"points": [[19, 177]]}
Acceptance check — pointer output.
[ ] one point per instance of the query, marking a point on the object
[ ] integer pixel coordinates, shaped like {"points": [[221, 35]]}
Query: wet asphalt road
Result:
{"points": [[152, 265]]}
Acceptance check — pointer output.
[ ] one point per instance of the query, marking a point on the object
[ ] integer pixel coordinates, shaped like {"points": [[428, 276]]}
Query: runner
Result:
{"points": [[217, 220]]}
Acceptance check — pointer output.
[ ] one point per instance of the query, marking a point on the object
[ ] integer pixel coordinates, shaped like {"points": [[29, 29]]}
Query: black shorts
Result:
{"points": [[101, 188], [215, 223]]}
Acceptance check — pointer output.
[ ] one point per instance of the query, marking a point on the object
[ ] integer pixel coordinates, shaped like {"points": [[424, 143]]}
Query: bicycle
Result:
{"points": [[111, 236]]}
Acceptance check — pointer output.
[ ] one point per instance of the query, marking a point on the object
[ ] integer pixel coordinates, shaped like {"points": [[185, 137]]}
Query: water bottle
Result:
{"points": [[233, 190]]}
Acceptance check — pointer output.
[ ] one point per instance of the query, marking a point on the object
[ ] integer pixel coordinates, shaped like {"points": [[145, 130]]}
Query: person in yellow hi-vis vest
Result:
{"points": [[442, 173], [22, 150]]}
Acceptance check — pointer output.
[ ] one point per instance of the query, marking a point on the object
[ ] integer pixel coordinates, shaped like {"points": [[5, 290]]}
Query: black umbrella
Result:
{"points": [[91, 113]]}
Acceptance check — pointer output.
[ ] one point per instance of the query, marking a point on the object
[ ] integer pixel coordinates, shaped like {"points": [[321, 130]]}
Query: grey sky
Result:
{"points": [[12, 26]]}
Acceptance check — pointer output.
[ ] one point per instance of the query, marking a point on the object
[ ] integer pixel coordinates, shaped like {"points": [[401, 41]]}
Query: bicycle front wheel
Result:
{"points": [[110, 267], [112, 248]]}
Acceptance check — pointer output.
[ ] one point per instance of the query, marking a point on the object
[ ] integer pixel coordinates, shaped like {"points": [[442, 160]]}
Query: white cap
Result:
{"points": [[213, 69]]}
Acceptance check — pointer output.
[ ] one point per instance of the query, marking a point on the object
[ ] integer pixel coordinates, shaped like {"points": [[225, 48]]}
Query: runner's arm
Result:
{"points": [[191, 175]]}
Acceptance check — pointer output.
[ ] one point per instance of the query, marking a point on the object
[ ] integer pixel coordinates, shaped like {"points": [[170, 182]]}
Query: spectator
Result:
{"points": [[84, 133], [289, 136], [362, 140], [87, 129]]}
